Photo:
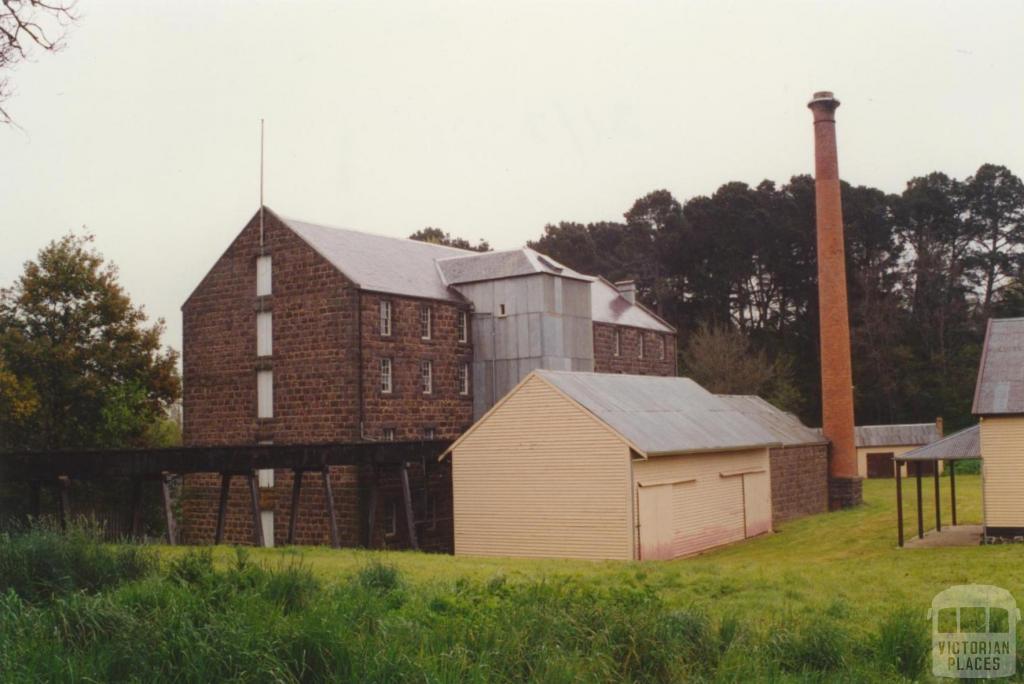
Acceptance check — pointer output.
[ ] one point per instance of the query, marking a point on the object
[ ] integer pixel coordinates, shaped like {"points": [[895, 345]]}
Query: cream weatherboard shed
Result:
{"points": [[607, 466]]}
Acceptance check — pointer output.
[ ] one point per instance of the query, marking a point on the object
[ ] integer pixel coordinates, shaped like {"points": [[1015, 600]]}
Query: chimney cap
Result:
{"points": [[823, 97]]}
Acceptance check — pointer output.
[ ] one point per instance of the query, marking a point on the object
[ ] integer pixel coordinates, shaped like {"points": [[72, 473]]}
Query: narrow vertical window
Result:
{"points": [[389, 434], [265, 475], [661, 347], [463, 327], [427, 375], [618, 343], [265, 394], [464, 379], [263, 283], [385, 318], [385, 376], [429, 433], [425, 322], [264, 333], [390, 522], [640, 346]]}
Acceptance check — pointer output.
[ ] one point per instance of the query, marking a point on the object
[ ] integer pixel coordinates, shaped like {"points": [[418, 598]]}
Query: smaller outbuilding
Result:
{"points": [[878, 445], [609, 466]]}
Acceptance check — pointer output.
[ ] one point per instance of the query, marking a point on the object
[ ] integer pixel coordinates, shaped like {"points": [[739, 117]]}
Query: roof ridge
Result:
{"points": [[468, 252]]}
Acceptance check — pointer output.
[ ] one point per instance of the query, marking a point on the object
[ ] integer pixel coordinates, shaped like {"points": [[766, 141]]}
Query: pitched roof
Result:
{"points": [[477, 266], [661, 415], [910, 434], [609, 306], [785, 427], [958, 446], [1000, 387], [379, 263]]}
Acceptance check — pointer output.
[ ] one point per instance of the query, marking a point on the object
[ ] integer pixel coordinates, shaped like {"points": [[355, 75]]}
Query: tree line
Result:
{"points": [[736, 274]]}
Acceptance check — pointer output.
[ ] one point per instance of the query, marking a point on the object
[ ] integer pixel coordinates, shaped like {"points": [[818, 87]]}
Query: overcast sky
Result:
{"points": [[488, 120]]}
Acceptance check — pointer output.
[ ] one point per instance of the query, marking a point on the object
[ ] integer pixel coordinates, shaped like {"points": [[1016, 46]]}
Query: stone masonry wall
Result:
{"points": [[628, 360], [799, 477]]}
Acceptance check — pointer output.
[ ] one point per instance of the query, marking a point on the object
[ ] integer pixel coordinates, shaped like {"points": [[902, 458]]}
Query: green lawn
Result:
{"points": [[847, 559]]}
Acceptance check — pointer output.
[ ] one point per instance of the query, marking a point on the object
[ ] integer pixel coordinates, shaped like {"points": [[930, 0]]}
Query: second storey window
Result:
{"points": [[385, 376], [617, 349], [640, 346], [427, 373], [425, 322], [263, 284], [464, 379], [463, 326], [389, 434], [385, 318], [264, 333], [265, 394]]}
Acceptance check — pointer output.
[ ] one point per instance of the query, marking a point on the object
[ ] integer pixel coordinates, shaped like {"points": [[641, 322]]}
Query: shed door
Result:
{"points": [[757, 503], [656, 528], [880, 465]]}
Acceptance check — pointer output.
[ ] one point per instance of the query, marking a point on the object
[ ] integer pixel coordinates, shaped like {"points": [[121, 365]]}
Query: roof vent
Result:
{"points": [[627, 288]]}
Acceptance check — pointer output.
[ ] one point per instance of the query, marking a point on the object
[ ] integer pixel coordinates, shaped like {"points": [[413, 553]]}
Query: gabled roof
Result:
{"points": [[609, 306], [379, 263], [909, 434], [784, 426], [958, 446], [477, 266], [661, 415], [1000, 387]]}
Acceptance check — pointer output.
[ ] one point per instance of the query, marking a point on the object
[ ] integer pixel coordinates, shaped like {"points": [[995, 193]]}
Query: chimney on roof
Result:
{"points": [[939, 426], [627, 288], [836, 367]]}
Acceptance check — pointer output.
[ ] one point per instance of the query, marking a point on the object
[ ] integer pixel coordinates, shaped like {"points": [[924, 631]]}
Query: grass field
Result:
{"points": [[826, 598]]}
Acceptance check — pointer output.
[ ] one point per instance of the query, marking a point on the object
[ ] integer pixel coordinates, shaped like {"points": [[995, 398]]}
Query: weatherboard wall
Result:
{"points": [[1002, 450]]}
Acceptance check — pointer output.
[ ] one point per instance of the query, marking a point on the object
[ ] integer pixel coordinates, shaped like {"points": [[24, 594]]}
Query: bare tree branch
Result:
{"points": [[25, 24]]}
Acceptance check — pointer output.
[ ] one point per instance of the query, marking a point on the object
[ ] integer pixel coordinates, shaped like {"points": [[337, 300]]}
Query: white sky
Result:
{"points": [[485, 119]]}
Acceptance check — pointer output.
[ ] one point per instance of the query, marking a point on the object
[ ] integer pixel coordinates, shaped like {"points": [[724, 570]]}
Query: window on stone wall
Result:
{"points": [[263, 282], [427, 376], [264, 333], [425, 322], [385, 376], [640, 346], [464, 379], [385, 318], [265, 394], [390, 518], [463, 326], [618, 344], [429, 433], [661, 347], [389, 434]]}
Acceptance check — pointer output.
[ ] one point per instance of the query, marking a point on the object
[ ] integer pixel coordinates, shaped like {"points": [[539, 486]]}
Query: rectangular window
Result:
{"points": [[427, 376], [390, 518], [618, 344], [463, 326], [661, 347], [265, 394], [385, 376], [425, 322], [265, 475], [264, 333], [640, 346], [464, 379], [263, 283], [429, 433], [385, 318], [389, 434]]}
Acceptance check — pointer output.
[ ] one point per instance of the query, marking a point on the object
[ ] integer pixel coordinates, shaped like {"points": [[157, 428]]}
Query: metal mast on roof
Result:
{"points": [[261, 186]]}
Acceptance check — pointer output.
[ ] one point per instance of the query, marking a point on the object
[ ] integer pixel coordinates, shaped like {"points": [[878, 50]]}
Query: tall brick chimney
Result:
{"points": [[836, 368]]}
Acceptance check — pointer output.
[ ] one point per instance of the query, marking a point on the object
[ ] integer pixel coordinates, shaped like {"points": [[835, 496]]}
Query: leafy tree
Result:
{"points": [[436, 236], [25, 24], [994, 205], [83, 364]]}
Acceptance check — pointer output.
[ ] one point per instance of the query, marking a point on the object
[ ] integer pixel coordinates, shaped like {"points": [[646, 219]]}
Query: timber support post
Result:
{"points": [[920, 508], [410, 520], [222, 506], [165, 495], [938, 499], [899, 504], [257, 519], [296, 492], [952, 487], [332, 514]]}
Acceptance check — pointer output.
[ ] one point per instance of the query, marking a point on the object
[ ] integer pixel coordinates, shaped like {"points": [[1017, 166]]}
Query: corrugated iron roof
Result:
{"points": [[471, 268], [1000, 386], [380, 263], [784, 426], [661, 415], [958, 446], [609, 306], [908, 434]]}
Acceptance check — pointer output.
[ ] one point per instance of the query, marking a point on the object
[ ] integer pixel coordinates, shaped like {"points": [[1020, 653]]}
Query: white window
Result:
{"points": [[640, 346], [425, 322], [661, 347], [265, 394], [265, 475], [385, 318], [427, 375], [389, 434], [264, 333], [463, 327], [385, 376], [267, 522], [464, 379], [618, 344], [263, 283]]}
